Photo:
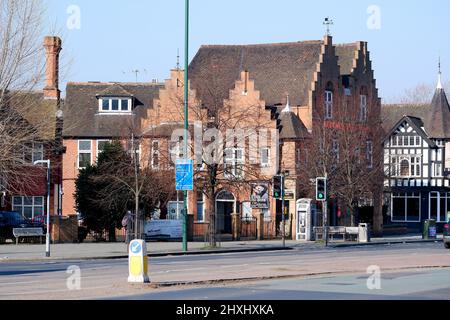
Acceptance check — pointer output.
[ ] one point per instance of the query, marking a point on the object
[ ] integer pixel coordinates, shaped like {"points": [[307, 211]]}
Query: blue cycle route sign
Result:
{"points": [[184, 173], [136, 247]]}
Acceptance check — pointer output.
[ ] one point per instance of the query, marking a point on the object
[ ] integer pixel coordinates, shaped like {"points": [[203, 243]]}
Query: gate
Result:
{"points": [[249, 228]]}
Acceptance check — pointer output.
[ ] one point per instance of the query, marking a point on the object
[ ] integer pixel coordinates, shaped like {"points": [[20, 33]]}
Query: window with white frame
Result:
{"points": [[115, 105], [29, 207], [176, 151], [265, 157], [405, 207], [437, 170], [84, 153], [234, 163], [30, 152], [200, 206], [328, 104], [363, 108], [101, 146], [369, 154], [439, 206], [406, 166], [407, 141], [155, 154]]}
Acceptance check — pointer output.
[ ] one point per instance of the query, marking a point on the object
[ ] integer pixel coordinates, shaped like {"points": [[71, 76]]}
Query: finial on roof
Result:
{"points": [[439, 85], [288, 107]]}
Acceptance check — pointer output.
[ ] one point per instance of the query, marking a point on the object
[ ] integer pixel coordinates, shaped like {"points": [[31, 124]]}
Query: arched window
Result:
{"points": [[329, 101], [404, 168]]}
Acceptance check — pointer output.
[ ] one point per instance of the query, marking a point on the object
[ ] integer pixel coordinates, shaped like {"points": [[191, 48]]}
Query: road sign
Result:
{"points": [[184, 173], [138, 262]]}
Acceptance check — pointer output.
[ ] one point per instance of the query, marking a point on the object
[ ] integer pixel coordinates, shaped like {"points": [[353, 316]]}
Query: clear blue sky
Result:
{"points": [[117, 35]]}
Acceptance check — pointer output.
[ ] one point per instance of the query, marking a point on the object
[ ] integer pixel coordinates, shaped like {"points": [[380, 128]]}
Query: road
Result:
{"points": [[408, 271]]}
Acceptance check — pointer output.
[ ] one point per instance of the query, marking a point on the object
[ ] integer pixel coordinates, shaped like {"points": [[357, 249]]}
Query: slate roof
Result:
{"points": [[392, 113], [37, 111], [277, 69], [438, 120], [291, 127], [81, 114], [435, 116]]}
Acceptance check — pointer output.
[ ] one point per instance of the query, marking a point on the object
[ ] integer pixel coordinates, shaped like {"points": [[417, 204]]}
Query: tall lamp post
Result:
{"points": [[47, 235], [186, 124]]}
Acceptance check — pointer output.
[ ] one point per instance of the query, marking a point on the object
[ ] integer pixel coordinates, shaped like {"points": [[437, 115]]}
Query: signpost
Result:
{"points": [[184, 176], [184, 172]]}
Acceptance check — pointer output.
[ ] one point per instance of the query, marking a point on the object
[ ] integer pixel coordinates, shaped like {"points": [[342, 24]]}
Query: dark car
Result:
{"points": [[10, 220], [447, 235]]}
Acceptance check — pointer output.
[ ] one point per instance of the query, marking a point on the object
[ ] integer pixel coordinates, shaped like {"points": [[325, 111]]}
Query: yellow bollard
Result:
{"points": [[137, 262]]}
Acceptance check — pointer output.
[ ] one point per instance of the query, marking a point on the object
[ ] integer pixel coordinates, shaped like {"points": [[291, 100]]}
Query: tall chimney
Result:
{"points": [[52, 47]]}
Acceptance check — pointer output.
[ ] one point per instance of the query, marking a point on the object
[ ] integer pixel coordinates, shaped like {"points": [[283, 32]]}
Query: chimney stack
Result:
{"points": [[52, 47]]}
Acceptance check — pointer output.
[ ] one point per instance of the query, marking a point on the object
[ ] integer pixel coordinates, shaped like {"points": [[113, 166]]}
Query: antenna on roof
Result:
{"points": [[328, 22], [178, 59], [136, 72]]}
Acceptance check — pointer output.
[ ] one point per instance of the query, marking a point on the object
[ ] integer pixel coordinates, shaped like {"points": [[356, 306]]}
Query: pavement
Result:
{"points": [[89, 251]]}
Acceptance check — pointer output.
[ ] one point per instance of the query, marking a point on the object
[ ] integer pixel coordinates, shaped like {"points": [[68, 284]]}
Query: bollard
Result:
{"points": [[137, 262]]}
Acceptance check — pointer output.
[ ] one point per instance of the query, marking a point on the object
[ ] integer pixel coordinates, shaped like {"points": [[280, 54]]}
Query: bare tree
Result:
{"points": [[224, 142], [348, 151], [21, 70]]}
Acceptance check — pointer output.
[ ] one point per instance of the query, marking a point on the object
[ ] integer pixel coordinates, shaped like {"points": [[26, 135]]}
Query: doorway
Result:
{"points": [[225, 207]]}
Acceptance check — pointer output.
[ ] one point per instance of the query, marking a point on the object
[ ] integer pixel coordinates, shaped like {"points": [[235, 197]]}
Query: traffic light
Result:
{"points": [[277, 186], [321, 189]]}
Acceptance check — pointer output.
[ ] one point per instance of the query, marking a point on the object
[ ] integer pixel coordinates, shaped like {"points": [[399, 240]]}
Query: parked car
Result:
{"points": [[447, 235], [10, 220]]}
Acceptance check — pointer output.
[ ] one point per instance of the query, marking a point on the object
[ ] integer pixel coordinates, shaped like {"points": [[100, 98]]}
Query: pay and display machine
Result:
{"points": [[306, 216]]}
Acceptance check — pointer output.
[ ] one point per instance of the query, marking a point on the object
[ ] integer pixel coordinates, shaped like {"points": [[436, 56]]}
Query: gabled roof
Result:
{"points": [[438, 120], [391, 113], [115, 91], [416, 123], [81, 113]]}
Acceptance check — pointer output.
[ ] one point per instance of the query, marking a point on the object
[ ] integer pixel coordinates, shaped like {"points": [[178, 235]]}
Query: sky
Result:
{"points": [[105, 40]]}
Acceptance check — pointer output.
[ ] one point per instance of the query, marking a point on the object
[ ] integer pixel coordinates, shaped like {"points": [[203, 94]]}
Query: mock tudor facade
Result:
{"points": [[416, 161], [288, 88]]}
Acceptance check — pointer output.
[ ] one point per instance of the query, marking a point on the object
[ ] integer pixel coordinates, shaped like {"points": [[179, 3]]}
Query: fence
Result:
{"points": [[248, 228]]}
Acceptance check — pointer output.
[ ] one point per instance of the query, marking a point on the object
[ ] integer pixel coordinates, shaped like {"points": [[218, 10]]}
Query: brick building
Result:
{"points": [[40, 116], [286, 90]]}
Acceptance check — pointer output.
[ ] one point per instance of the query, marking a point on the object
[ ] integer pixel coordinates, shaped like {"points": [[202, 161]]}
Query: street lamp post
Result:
{"points": [[186, 124], [47, 235]]}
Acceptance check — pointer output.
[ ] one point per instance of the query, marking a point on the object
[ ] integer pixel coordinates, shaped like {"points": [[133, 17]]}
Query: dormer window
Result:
{"points": [[115, 105]]}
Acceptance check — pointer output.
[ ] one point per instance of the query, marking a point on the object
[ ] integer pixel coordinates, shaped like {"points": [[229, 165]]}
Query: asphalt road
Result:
{"points": [[408, 271]]}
